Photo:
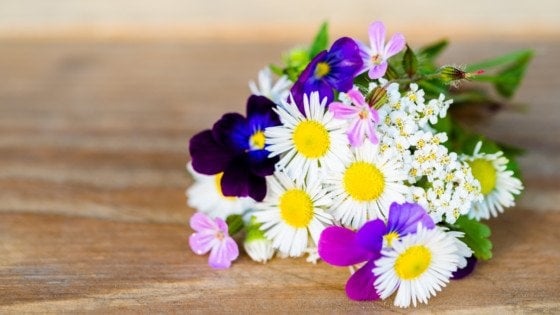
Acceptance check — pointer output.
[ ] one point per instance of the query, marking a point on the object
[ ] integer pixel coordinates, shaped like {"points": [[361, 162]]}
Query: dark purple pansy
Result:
{"points": [[333, 69], [465, 271], [236, 147], [340, 246]]}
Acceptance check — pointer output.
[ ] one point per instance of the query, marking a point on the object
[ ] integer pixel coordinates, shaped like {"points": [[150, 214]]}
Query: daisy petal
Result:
{"points": [[360, 285], [338, 246]]}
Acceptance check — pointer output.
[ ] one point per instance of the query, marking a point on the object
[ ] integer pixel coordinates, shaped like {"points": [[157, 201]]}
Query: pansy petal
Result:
{"points": [[298, 89], [260, 113], [233, 132], [201, 243], [395, 45], [404, 218], [343, 111], [360, 286], [337, 246], [260, 164], [257, 187], [376, 32], [467, 270], [208, 156], [201, 222], [235, 181], [345, 63], [370, 236], [378, 71]]}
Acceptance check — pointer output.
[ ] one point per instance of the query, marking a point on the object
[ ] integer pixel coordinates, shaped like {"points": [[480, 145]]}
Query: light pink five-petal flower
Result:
{"points": [[212, 235], [375, 57], [361, 116]]}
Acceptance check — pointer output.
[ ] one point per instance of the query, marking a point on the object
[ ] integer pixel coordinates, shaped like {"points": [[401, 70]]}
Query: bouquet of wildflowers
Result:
{"points": [[353, 156]]}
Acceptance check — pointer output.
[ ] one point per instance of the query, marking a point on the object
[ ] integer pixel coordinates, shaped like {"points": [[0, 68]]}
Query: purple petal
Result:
{"points": [[345, 62], [370, 131], [208, 157], [374, 114], [201, 243], [370, 236], [356, 133], [343, 111], [201, 222], [235, 181], [394, 46], [221, 225], [338, 246], [233, 132], [377, 37], [467, 270], [260, 164], [404, 218], [298, 89], [222, 254], [378, 71], [257, 187], [360, 286], [260, 113], [357, 97]]}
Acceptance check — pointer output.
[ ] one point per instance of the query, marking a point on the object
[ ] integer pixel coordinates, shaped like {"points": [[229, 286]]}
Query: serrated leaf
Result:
{"points": [[433, 50], [476, 236], [410, 62], [320, 41], [508, 80]]}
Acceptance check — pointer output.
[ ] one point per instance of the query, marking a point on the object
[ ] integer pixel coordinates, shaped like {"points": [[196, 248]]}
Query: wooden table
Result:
{"points": [[93, 143]]}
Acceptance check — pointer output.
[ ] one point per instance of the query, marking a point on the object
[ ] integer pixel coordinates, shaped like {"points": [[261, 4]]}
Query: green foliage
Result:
{"points": [[409, 62], [320, 42], [476, 236], [433, 50], [235, 223]]}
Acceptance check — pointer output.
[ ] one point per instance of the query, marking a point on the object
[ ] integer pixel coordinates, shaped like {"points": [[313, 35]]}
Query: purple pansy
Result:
{"points": [[375, 57], [340, 246], [236, 147], [361, 116], [212, 236], [467, 270], [333, 69]]}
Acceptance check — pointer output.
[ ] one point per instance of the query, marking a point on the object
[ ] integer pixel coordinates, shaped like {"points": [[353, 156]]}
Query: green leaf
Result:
{"points": [[433, 50], [235, 223], [410, 62], [476, 236], [501, 60], [321, 41], [391, 73], [509, 79]]}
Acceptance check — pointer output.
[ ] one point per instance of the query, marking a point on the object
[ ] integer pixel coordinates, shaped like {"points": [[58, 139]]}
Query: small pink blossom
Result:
{"points": [[375, 57], [361, 116], [212, 236]]}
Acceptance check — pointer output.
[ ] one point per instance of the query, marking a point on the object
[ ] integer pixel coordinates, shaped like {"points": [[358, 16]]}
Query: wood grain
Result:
{"points": [[93, 143]]}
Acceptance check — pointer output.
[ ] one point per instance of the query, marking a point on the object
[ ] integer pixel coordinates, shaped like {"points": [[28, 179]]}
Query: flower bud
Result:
{"points": [[257, 246], [453, 75], [377, 97]]}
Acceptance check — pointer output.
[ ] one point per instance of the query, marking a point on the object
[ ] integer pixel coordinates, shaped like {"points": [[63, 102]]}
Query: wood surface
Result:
{"points": [[93, 143]]}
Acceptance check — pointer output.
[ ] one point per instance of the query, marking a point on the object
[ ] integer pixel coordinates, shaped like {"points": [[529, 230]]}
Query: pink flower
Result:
{"points": [[375, 57], [212, 235], [362, 118]]}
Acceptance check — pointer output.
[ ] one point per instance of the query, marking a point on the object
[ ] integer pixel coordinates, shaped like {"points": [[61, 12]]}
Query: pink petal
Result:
{"points": [[360, 286], [201, 243], [356, 134], [357, 97], [338, 246], [200, 222], [374, 115], [377, 37], [394, 46], [222, 225], [343, 111], [378, 71], [370, 132], [221, 254]]}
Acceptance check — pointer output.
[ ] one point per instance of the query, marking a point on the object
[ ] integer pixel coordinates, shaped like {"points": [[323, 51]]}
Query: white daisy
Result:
{"points": [[307, 142], [205, 195], [277, 92], [417, 266], [497, 184], [291, 213], [364, 186]]}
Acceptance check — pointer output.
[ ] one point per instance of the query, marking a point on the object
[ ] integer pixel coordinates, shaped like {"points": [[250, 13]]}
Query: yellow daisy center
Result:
{"points": [[218, 182], [363, 181], [311, 139], [322, 70], [484, 171], [256, 141], [390, 237], [296, 208], [413, 262]]}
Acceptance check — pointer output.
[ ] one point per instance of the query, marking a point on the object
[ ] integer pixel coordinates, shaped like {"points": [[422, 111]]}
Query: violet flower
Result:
{"points": [[212, 236], [375, 57], [361, 116], [236, 147], [333, 69], [340, 246]]}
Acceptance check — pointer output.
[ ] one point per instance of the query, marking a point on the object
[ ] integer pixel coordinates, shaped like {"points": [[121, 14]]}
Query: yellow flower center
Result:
{"points": [[311, 139], [322, 70], [296, 208], [363, 181], [485, 173], [256, 141], [390, 237], [413, 262], [218, 182]]}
